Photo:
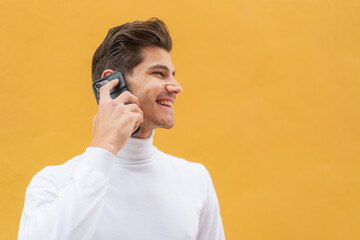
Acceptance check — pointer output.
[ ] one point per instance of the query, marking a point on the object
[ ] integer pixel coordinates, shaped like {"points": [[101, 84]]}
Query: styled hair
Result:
{"points": [[121, 48]]}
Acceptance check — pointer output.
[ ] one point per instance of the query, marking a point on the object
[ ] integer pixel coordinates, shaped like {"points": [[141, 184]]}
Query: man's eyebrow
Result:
{"points": [[162, 67]]}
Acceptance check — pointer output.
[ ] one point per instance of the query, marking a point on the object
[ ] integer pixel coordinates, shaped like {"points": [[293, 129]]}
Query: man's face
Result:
{"points": [[153, 83]]}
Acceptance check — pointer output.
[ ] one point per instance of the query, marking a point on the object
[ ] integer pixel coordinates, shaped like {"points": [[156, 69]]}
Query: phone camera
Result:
{"points": [[98, 85]]}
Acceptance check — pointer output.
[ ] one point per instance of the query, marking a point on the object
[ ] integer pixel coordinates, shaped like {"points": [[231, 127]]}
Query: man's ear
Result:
{"points": [[107, 72]]}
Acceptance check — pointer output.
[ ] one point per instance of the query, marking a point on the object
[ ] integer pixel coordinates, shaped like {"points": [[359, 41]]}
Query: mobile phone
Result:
{"points": [[115, 92]]}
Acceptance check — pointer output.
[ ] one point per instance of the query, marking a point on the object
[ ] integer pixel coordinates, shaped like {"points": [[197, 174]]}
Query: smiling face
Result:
{"points": [[153, 83]]}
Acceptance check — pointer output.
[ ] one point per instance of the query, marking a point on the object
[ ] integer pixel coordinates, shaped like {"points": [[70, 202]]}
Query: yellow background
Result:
{"points": [[270, 104]]}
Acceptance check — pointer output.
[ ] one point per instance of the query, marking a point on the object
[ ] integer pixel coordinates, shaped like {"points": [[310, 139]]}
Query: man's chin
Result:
{"points": [[165, 122], [167, 125]]}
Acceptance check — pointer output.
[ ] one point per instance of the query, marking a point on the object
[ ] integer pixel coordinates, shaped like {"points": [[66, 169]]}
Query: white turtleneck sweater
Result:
{"points": [[141, 193]]}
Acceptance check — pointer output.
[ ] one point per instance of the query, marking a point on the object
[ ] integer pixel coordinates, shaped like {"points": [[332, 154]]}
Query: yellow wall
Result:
{"points": [[270, 104]]}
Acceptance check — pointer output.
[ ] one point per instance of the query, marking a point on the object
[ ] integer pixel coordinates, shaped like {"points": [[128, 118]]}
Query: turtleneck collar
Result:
{"points": [[136, 150]]}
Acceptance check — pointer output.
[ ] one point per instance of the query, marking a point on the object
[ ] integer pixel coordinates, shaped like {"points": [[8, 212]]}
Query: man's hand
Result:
{"points": [[115, 121]]}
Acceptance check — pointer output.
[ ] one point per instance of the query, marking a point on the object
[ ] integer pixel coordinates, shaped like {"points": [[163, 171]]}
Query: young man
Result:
{"points": [[123, 187]]}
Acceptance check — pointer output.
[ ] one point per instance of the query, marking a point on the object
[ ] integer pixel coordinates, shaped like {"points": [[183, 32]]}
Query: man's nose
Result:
{"points": [[173, 86]]}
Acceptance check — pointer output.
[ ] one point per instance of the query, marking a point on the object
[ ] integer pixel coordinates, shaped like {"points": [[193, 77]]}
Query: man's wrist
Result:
{"points": [[99, 159], [106, 146]]}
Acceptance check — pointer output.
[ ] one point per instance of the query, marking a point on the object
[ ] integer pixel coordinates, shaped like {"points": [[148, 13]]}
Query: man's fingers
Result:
{"points": [[105, 90], [135, 109], [136, 126], [126, 97], [123, 98], [138, 119]]}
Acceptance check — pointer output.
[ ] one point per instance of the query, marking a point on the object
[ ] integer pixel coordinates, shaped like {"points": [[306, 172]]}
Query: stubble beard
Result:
{"points": [[152, 111], [153, 122]]}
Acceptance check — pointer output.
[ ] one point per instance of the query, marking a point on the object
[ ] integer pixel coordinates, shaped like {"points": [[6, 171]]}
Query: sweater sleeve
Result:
{"points": [[210, 227], [69, 210]]}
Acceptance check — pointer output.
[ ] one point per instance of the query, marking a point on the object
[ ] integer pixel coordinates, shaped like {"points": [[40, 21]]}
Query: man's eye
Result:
{"points": [[159, 73]]}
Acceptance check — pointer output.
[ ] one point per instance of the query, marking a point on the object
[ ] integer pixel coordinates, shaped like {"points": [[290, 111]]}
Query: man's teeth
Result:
{"points": [[167, 103]]}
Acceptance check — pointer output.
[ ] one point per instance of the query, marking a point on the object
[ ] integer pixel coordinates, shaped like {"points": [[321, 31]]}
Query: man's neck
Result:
{"points": [[144, 133]]}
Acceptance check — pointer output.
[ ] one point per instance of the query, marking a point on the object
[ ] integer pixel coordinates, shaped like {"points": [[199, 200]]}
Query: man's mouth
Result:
{"points": [[165, 103]]}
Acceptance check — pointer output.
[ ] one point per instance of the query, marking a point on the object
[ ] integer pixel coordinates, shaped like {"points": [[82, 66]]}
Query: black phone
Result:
{"points": [[115, 92]]}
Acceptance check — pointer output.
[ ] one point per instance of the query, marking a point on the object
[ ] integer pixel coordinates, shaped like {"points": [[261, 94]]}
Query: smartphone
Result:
{"points": [[115, 92]]}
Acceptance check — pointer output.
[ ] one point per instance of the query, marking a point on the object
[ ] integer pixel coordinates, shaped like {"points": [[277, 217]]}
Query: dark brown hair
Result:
{"points": [[121, 49]]}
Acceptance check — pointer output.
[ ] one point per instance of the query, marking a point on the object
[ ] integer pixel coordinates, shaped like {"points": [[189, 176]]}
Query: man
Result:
{"points": [[123, 187]]}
